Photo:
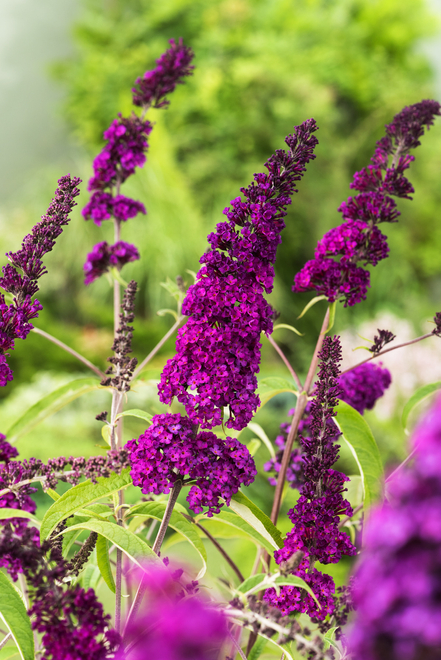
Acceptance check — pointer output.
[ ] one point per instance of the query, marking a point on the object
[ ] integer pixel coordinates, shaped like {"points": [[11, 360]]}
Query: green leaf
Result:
{"points": [[227, 525], [258, 430], [417, 397], [263, 581], [258, 648], [102, 555], [118, 277], [361, 442], [106, 433], [13, 612], [132, 545], [90, 577], [135, 412], [18, 513], [332, 308], [329, 638], [253, 446], [310, 304], [53, 494], [172, 312], [283, 648], [288, 327], [50, 404], [251, 513], [178, 523], [270, 387], [80, 496]]}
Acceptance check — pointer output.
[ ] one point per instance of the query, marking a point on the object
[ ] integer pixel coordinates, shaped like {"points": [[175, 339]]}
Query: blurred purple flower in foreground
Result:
{"points": [[397, 587], [173, 624]]}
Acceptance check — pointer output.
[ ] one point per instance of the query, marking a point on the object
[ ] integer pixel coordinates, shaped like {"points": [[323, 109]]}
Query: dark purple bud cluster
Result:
{"points": [[171, 449], [14, 527], [170, 627], [125, 149], [70, 619], [317, 513], [397, 586], [361, 388], [384, 337], [173, 65], [104, 256], [218, 350], [69, 470], [123, 366], [437, 321], [26, 267], [334, 271]]}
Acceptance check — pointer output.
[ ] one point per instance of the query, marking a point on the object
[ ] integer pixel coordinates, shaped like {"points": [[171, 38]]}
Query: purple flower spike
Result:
{"points": [[170, 449], [26, 267], [397, 585], [105, 256], [317, 512], [173, 65], [333, 272], [218, 350]]}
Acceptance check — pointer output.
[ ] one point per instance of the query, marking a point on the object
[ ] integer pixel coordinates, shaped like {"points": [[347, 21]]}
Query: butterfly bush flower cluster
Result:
{"points": [[173, 624], [125, 149], [170, 450], [317, 513], [26, 267], [397, 586], [334, 271], [361, 388], [218, 350]]}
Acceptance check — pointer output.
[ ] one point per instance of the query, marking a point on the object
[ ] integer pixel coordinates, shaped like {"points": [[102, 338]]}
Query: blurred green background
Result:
{"points": [[262, 66]]}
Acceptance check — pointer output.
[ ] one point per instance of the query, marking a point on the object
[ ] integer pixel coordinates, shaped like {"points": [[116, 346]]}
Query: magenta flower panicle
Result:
{"points": [[334, 271], [397, 584], [105, 256], [218, 350], [317, 512], [26, 267], [170, 450]]}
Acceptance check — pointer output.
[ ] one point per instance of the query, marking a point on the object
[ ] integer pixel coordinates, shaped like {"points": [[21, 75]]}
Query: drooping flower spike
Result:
{"points": [[26, 267], [334, 272]]}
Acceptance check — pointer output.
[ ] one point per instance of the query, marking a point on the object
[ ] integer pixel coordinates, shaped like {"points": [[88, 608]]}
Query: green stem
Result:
{"points": [[158, 346]]}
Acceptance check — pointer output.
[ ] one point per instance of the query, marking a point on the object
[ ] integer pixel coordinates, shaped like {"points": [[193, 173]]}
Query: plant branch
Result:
{"points": [[387, 350], [156, 548], [5, 640], [402, 464], [237, 645], [224, 554], [344, 520], [158, 346], [286, 362], [70, 350], [300, 409]]}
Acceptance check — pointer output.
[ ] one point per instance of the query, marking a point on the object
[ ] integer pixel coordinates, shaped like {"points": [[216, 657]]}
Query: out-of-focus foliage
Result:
{"points": [[261, 67]]}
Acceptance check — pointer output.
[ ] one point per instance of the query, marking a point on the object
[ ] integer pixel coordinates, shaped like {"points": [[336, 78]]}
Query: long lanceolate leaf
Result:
{"points": [[361, 442], [82, 495], [177, 522], [251, 513], [15, 618], [50, 404], [417, 397]]}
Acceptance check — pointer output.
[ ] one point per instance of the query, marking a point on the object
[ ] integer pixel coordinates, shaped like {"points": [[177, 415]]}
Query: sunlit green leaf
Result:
{"points": [[258, 430], [253, 446], [80, 496], [311, 304], [270, 387], [361, 442], [136, 412], [14, 615], [50, 404], [103, 561], [288, 327], [417, 397], [19, 513], [177, 522], [132, 545], [251, 513], [257, 649]]}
